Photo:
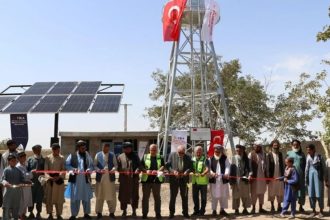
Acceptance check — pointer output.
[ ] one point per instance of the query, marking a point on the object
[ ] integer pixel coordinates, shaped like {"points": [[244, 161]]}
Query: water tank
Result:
{"points": [[194, 13]]}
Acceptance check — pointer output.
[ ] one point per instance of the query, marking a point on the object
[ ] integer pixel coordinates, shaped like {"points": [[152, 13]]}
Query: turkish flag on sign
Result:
{"points": [[217, 137], [173, 12]]}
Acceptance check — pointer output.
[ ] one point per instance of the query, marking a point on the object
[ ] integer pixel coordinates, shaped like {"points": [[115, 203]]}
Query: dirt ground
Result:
{"points": [[165, 212]]}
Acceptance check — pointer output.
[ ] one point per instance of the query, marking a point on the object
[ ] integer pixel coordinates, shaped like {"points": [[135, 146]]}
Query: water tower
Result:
{"points": [[190, 56]]}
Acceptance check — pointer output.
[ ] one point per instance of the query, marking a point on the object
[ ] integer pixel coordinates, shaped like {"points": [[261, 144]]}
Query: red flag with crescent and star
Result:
{"points": [[217, 137], [172, 15]]}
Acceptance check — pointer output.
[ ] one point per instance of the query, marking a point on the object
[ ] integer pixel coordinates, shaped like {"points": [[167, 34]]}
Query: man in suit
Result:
{"points": [[180, 165]]}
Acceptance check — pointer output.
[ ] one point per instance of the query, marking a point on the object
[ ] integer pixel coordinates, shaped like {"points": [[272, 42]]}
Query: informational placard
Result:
{"points": [[142, 146], [200, 134], [179, 137], [19, 129]]}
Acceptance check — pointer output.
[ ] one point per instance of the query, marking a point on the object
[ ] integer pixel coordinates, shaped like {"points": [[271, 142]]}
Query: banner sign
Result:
{"points": [[200, 134], [211, 17], [19, 129], [142, 148], [178, 138]]}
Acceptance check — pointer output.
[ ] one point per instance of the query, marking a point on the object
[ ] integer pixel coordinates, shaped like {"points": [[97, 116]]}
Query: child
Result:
{"points": [[291, 182], [12, 195], [26, 200]]}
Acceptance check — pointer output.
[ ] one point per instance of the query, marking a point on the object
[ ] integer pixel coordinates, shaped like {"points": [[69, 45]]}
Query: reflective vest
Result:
{"points": [[147, 163], [199, 167]]}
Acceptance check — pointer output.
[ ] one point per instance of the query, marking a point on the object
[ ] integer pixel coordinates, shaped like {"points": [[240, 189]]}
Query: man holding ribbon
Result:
{"points": [[200, 181], [80, 164], [105, 164], [219, 175], [152, 166], [179, 165]]}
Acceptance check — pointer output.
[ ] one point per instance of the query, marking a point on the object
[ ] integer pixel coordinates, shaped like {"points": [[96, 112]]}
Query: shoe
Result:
{"points": [[223, 212], [144, 217], [99, 216], [158, 216], [186, 215], [195, 214], [59, 217], [31, 216], [112, 215], [133, 213], [171, 215], [282, 215], [236, 211], [124, 213], [320, 215], [201, 213], [291, 217], [272, 209], [86, 216], [262, 210], [38, 216], [279, 209], [50, 217], [245, 212], [214, 213], [301, 209], [72, 218], [253, 211]]}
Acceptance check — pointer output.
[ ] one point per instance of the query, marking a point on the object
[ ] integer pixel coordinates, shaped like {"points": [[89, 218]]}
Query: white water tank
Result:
{"points": [[194, 13]]}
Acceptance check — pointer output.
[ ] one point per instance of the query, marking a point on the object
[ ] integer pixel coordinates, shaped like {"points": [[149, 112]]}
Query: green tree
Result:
{"points": [[325, 34], [246, 99], [297, 106]]}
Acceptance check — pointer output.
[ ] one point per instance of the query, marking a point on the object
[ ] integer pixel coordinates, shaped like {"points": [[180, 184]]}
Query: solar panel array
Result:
{"points": [[64, 97]]}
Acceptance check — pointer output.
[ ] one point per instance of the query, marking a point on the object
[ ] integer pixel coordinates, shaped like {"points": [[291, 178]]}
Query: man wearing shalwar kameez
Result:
{"points": [[258, 187], [12, 196], [128, 162], [54, 189], [219, 173], [26, 200], [327, 179], [105, 163], [291, 185], [240, 168], [300, 163], [314, 178], [79, 164], [36, 162], [275, 168]]}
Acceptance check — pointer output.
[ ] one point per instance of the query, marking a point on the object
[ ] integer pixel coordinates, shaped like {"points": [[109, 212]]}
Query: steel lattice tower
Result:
{"points": [[190, 55]]}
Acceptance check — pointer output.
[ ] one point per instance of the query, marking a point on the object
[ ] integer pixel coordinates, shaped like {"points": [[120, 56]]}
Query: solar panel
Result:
{"points": [[50, 103], [39, 88], [23, 104], [5, 100], [87, 88], [78, 103], [106, 103], [63, 88]]}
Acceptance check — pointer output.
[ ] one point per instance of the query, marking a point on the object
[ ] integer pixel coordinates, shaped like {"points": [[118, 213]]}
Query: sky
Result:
{"points": [[121, 42]]}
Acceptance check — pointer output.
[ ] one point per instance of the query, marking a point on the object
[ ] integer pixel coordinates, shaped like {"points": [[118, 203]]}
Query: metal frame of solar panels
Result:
{"points": [[62, 97]]}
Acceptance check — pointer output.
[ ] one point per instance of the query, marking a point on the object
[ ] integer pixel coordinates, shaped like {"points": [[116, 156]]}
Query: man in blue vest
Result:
{"points": [[105, 163], [152, 166], [200, 181]]}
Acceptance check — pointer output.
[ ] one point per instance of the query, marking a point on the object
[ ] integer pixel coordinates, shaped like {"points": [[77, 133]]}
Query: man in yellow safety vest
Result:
{"points": [[152, 166]]}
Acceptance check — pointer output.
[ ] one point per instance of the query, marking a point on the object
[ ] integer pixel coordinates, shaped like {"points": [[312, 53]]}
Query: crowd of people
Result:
{"points": [[27, 183]]}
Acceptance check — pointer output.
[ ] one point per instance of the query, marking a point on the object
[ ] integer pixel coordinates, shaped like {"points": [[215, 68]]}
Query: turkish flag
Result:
{"points": [[217, 137], [172, 15]]}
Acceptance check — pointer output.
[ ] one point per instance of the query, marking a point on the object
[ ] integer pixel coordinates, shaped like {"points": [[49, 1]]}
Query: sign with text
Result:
{"points": [[200, 134], [178, 138], [19, 129]]}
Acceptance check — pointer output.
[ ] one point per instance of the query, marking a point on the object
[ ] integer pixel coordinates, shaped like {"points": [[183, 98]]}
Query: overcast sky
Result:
{"points": [[121, 42]]}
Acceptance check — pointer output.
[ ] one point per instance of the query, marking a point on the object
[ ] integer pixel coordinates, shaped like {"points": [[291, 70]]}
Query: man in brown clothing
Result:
{"points": [[128, 162], [54, 191]]}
